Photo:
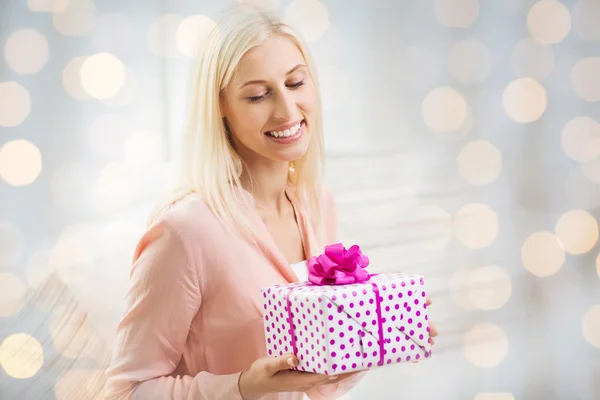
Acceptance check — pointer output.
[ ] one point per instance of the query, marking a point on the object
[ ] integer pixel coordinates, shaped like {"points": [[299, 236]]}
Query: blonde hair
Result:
{"points": [[210, 166]]}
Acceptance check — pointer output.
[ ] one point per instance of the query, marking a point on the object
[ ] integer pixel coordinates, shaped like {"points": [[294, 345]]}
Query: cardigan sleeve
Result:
{"points": [[163, 298]]}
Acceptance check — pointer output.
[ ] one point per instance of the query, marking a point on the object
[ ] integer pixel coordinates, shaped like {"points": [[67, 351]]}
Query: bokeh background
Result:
{"points": [[463, 143]]}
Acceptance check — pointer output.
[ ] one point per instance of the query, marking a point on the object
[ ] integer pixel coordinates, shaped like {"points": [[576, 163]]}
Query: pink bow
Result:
{"points": [[338, 266]]}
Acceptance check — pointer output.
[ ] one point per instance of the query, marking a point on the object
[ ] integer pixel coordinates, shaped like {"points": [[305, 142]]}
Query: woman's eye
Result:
{"points": [[255, 99], [296, 85]]}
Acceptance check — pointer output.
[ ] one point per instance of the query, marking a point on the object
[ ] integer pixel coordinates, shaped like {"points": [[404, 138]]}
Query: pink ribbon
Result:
{"points": [[338, 266]]}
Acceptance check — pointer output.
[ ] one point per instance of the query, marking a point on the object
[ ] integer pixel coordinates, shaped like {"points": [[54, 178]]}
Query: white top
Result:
{"points": [[301, 269]]}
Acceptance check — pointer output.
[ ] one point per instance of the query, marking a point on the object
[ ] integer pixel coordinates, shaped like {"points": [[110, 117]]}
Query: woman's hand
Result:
{"points": [[433, 332], [273, 374]]}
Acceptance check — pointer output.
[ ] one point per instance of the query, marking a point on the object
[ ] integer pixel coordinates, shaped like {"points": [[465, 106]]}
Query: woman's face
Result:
{"points": [[271, 103]]}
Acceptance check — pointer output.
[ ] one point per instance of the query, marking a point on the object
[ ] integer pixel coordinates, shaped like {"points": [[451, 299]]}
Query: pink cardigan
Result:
{"points": [[193, 316]]}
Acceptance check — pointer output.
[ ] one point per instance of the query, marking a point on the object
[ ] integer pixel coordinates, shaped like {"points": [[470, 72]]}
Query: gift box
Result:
{"points": [[344, 319]]}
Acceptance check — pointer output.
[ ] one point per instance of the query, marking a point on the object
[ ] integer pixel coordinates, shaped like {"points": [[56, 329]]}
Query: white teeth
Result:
{"points": [[287, 133]]}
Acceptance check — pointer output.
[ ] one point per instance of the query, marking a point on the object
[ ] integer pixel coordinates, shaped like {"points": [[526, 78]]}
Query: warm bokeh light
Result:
{"points": [[591, 170], [444, 109], [476, 225], [586, 79], [77, 19], [162, 36], [549, 21], [598, 265], [581, 139], [485, 345], [480, 162], [494, 396], [524, 100], [117, 186], [489, 287], [20, 162], [542, 254], [71, 79], [26, 51], [532, 59], [457, 13], [12, 294], [586, 19], [73, 256], [261, 5], [113, 33], [459, 289], [144, 148], [192, 33], [78, 384], [310, 17], [21, 356], [128, 92], [48, 5], [12, 243], [469, 61], [578, 231], [15, 104], [591, 326], [102, 75], [38, 268]]}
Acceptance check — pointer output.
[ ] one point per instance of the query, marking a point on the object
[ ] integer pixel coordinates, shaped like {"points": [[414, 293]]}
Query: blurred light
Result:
{"points": [[162, 36], [334, 86], [70, 332], [434, 226], [457, 13], [598, 265], [586, 79], [489, 287], [107, 135], [78, 384], [21, 356], [549, 21], [310, 17], [532, 59], [127, 93], [261, 5], [494, 396], [20, 162], [38, 268], [581, 139], [480, 162], [459, 289], [591, 170], [12, 294], [542, 254], [26, 51], [56, 6], [15, 104], [192, 34], [72, 257], [578, 231], [444, 109], [77, 19], [476, 225], [586, 19], [486, 345], [591, 326], [581, 191], [71, 186], [112, 33], [116, 188], [419, 67], [71, 78], [524, 100], [144, 148], [470, 61], [12, 243], [102, 75]]}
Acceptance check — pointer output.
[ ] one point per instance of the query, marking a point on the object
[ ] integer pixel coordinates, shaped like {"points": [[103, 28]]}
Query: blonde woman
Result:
{"points": [[251, 209]]}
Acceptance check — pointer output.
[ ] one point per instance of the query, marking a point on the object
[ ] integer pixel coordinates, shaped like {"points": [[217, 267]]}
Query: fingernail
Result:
{"points": [[333, 377], [290, 361]]}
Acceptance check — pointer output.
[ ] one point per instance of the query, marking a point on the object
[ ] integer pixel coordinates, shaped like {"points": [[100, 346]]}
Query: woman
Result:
{"points": [[251, 207]]}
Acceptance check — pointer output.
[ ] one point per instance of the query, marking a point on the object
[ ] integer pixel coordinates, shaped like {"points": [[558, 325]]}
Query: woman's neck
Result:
{"points": [[267, 184]]}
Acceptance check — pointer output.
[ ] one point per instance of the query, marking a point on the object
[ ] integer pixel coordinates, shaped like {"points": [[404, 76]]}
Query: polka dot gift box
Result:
{"points": [[344, 319]]}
